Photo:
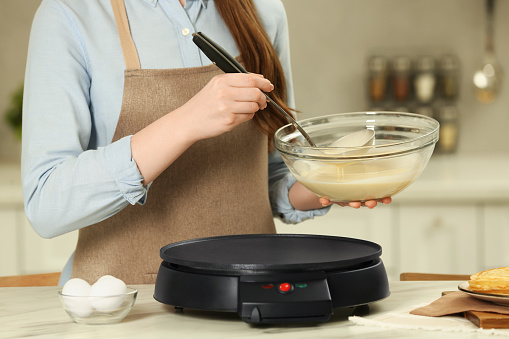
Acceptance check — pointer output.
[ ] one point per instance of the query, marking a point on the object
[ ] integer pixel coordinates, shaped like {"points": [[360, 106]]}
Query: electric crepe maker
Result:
{"points": [[271, 278]]}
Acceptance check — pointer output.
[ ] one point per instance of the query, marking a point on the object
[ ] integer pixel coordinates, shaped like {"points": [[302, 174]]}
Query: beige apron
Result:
{"points": [[219, 186]]}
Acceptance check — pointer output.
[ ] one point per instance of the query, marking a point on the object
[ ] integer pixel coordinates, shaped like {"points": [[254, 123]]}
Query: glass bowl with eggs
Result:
{"points": [[107, 301], [375, 165]]}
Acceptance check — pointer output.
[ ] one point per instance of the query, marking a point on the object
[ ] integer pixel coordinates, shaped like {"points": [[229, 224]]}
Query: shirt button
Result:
{"points": [[185, 31]]}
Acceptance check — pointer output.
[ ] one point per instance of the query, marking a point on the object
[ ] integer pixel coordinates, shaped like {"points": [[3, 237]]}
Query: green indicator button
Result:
{"points": [[301, 285]]}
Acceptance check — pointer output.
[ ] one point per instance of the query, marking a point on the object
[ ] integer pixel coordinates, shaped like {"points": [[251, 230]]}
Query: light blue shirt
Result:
{"points": [[73, 175]]}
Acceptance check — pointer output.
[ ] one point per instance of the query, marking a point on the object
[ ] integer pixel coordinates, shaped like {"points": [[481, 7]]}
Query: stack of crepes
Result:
{"points": [[494, 281]]}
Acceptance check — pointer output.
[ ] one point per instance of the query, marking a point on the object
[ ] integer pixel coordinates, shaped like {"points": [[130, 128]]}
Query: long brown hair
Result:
{"points": [[258, 56]]}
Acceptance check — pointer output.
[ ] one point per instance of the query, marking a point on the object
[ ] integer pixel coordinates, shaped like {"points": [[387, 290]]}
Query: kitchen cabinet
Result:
{"points": [[24, 252], [439, 238], [9, 252], [496, 235]]}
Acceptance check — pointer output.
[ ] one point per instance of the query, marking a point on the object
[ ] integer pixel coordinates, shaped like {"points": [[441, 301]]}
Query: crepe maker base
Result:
{"points": [[271, 278]]}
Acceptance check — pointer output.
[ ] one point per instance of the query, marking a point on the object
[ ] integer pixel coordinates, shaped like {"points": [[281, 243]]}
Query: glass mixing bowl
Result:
{"points": [[401, 149]]}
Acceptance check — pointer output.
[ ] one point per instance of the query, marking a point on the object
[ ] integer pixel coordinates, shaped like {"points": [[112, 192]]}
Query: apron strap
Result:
{"points": [[126, 41]]}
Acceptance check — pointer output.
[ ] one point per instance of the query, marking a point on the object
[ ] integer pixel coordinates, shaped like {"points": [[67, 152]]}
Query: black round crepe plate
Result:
{"points": [[270, 252]]}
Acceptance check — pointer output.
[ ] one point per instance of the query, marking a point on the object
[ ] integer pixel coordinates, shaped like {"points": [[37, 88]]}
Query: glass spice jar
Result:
{"points": [[448, 134], [425, 79], [401, 67], [377, 78], [449, 77]]}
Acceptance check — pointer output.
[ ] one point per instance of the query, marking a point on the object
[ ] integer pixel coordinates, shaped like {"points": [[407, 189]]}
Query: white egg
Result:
{"points": [[76, 287], [106, 277], [75, 296], [107, 294]]}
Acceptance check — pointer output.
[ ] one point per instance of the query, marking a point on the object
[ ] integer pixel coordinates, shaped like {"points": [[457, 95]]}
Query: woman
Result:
{"points": [[119, 102]]}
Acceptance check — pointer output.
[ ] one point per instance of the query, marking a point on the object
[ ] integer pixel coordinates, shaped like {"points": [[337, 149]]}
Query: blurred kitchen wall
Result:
{"points": [[330, 43], [15, 21]]}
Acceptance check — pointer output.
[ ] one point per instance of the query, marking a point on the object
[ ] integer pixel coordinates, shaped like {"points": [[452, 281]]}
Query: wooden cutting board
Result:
{"points": [[488, 320]]}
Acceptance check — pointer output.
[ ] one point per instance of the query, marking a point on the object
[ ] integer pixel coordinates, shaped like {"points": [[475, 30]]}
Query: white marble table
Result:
{"points": [[36, 312]]}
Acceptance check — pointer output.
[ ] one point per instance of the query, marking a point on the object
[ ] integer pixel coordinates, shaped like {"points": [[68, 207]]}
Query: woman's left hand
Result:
{"points": [[356, 204], [303, 199]]}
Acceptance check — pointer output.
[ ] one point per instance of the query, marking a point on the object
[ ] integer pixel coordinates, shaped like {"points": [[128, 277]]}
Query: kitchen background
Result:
{"points": [[454, 219]]}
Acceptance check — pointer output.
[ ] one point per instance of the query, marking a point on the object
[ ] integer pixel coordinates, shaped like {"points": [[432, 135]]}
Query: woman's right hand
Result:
{"points": [[224, 103]]}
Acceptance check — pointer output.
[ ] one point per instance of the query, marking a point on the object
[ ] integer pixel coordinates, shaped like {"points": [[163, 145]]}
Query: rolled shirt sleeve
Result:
{"points": [[124, 171]]}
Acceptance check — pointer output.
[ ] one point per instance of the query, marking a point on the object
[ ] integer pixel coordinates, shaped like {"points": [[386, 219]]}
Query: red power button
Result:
{"points": [[285, 288]]}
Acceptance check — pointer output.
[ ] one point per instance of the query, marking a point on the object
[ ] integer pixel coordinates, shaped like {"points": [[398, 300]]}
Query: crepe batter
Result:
{"points": [[353, 180]]}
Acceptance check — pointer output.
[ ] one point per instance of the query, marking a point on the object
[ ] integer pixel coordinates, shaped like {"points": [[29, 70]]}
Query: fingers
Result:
{"points": [[246, 90], [242, 80], [355, 204], [225, 102], [325, 201], [251, 88], [370, 204], [250, 80], [252, 95]]}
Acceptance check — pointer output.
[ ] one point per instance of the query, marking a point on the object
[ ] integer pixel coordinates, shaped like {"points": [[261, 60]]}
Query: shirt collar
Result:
{"points": [[153, 3], [204, 3]]}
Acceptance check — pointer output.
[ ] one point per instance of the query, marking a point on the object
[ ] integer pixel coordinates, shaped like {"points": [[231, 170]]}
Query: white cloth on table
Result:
{"points": [[402, 319]]}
